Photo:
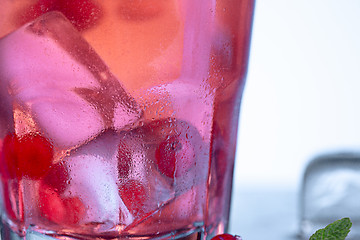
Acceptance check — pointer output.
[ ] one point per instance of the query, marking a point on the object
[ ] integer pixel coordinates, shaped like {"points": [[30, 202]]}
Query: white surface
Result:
{"points": [[302, 98], [302, 95], [264, 214]]}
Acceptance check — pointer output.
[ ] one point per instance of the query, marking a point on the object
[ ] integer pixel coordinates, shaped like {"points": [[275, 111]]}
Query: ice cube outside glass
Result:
{"points": [[330, 191], [118, 119]]}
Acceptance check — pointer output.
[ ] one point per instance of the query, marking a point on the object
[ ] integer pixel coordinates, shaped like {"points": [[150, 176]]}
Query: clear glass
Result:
{"points": [[118, 118]]}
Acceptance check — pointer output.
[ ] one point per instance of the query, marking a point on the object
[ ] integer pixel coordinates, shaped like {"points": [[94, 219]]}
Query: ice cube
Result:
{"points": [[142, 188], [94, 177], [176, 150], [331, 191], [172, 169], [49, 70]]}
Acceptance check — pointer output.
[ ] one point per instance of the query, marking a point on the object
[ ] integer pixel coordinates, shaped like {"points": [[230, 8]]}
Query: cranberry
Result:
{"points": [[30, 155], [63, 211], [178, 145], [57, 178], [226, 236], [134, 195], [83, 14], [170, 151], [51, 205], [75, 210]]}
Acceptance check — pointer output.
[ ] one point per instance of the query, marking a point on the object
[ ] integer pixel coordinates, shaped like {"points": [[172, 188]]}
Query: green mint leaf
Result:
{"points": [[337, 230]]}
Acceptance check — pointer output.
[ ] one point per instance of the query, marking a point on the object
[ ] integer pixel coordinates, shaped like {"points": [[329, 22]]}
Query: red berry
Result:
{"points": [[51, 205], [63, 211], [226, 236], [75, 210], [165, 155], [124, 159], [30, 155], [134, 195], [178, 145], [57, 178], [83, 14], [174, 152]]}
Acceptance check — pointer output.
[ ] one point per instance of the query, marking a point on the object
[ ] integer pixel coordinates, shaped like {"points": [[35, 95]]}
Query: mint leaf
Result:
{"points": [[337, 230]]}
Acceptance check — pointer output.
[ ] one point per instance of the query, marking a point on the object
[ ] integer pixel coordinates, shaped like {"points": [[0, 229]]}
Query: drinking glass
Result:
{"points": [[118, 118]]}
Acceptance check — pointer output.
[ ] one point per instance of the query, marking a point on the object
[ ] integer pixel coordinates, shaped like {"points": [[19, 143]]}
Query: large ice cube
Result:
{"points": [[141, 186], [49, 70], [94, 177], [331, 191], [175, 187]]}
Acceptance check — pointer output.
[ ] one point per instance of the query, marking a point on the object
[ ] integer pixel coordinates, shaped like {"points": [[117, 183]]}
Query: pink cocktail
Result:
{"points": [[118, 119]]}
